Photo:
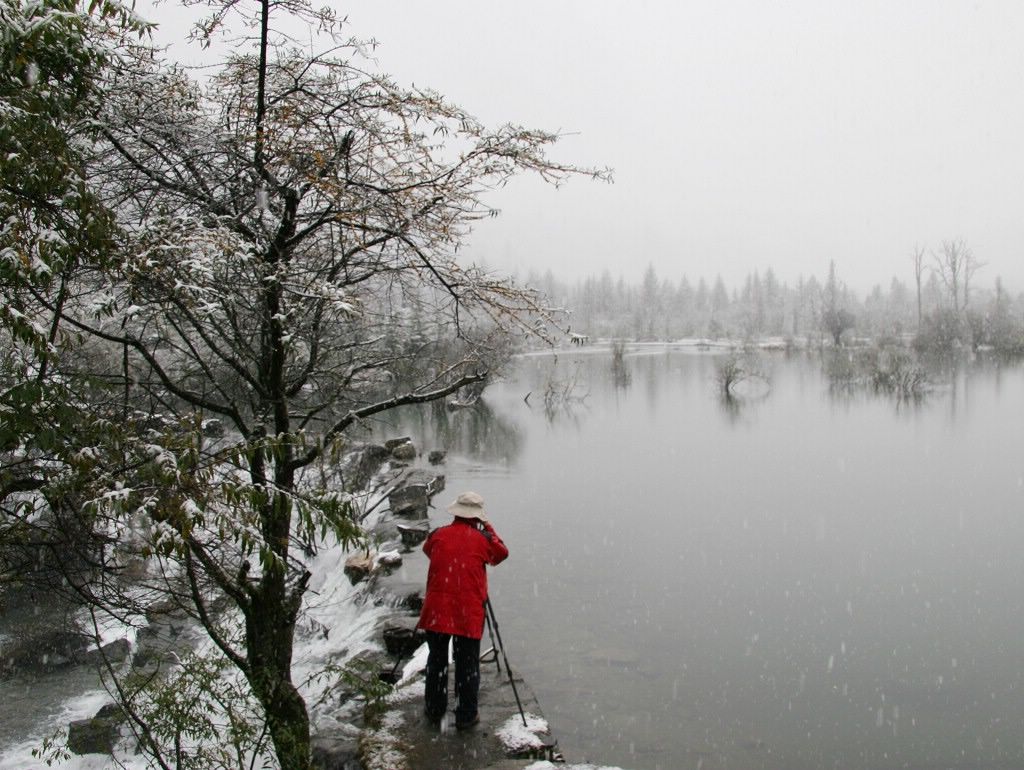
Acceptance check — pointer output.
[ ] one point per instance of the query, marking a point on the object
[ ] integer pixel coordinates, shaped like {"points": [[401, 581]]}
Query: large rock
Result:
{"points": [[335, 753], [360, 465], [412, 493], [405, 452], [411, 502], [56, 650], [168, 635], [43, 653], [389, 560], [164, 608], [169, 618], [213, 428], [402, 639], [94, 735], [359, 567], [413, 533], [395, 591], [110, 711], [113, 652], [411, 600]]}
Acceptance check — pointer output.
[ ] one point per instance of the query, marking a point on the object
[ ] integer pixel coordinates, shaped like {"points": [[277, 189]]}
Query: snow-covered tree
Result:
{"points": [[286, 230], [836, 317]]}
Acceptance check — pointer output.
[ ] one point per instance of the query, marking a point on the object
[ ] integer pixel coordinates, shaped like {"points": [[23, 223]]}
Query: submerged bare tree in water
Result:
{"points": [[737, 368]]}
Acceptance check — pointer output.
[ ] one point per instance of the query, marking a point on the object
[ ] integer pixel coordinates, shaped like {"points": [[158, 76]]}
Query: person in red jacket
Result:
{"points": [[453, 608]]}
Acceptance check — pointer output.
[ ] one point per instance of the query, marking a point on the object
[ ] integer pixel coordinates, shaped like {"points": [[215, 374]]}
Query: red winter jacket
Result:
{"points": [[457, 578]]}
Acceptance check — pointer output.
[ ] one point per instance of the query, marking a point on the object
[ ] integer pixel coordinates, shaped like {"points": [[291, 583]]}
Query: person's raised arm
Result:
{"points": [[497, 551]]}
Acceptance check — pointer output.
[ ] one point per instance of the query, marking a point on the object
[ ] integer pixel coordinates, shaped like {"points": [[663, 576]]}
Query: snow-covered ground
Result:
{"points": [[336, 627], [520, 733], [340, 627]]}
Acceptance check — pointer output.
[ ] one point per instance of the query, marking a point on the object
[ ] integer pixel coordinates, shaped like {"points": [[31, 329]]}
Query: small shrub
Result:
{"points": [[898, 372]]}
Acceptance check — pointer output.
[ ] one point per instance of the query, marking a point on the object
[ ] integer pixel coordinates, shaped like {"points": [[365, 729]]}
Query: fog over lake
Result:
{"points": [[811, 577]]}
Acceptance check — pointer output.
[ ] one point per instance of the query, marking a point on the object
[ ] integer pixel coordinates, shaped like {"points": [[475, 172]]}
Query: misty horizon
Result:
{"points": [[740, 134]]}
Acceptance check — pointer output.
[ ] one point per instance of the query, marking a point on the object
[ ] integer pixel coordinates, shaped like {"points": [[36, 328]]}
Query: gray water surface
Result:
{"points": [[813, 578]]}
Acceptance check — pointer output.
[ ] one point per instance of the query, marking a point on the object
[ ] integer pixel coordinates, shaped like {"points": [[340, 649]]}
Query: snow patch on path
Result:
{"points": [[518, 737]]}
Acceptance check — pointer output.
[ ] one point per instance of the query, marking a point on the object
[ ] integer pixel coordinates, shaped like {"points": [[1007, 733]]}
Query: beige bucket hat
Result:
{"points": [[468, 505]]}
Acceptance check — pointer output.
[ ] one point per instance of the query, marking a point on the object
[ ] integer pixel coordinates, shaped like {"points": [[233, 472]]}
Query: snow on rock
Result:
{"points": [[408, 692], [388, 559], [518, 737]]}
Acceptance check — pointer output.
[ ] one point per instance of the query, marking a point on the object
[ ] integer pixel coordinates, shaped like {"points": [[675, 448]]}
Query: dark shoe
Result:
{"points": [[468, 723]]}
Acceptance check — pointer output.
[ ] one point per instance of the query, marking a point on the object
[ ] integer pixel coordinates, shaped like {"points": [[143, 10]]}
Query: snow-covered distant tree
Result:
{"points": [[918, 259], [649, 306], [285, 227], [955, 264], [836, 317]]}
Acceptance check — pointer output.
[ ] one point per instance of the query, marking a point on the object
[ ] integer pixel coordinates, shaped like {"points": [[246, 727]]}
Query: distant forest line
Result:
{"points": [[945, 303]]}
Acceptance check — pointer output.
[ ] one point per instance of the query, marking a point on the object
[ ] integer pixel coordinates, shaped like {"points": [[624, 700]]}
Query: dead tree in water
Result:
{"points": [[734, 369]]}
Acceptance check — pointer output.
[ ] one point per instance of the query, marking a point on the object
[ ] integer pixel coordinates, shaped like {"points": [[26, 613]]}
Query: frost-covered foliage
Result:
{"points": [[50, 219], [52, 227], [271, 249], [45, 214], [891, 371]]}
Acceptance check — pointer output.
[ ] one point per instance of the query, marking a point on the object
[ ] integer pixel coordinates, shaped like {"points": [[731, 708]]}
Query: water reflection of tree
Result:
{"points": [[731, 406], [571, 411], [475, 431], [562, 396], [955, 371], [622, 378], [734, 407]]}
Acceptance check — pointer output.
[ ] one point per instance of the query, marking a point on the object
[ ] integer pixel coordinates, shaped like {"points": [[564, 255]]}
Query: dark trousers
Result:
{"points": [[466, 654]]}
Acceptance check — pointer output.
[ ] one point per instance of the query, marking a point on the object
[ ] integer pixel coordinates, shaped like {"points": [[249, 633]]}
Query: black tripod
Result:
{"points": [[494, 631]]}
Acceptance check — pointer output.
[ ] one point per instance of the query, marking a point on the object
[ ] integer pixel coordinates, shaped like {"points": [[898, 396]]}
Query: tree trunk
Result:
{"points": [[270, 628], [919, 306], [288, 723]]}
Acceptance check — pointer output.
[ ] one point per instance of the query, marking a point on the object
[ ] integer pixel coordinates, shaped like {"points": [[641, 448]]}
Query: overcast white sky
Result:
{"points": [[742, 134]]}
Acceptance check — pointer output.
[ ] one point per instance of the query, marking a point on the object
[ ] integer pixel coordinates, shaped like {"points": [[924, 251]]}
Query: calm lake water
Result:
{"points": [[809, 579]]}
